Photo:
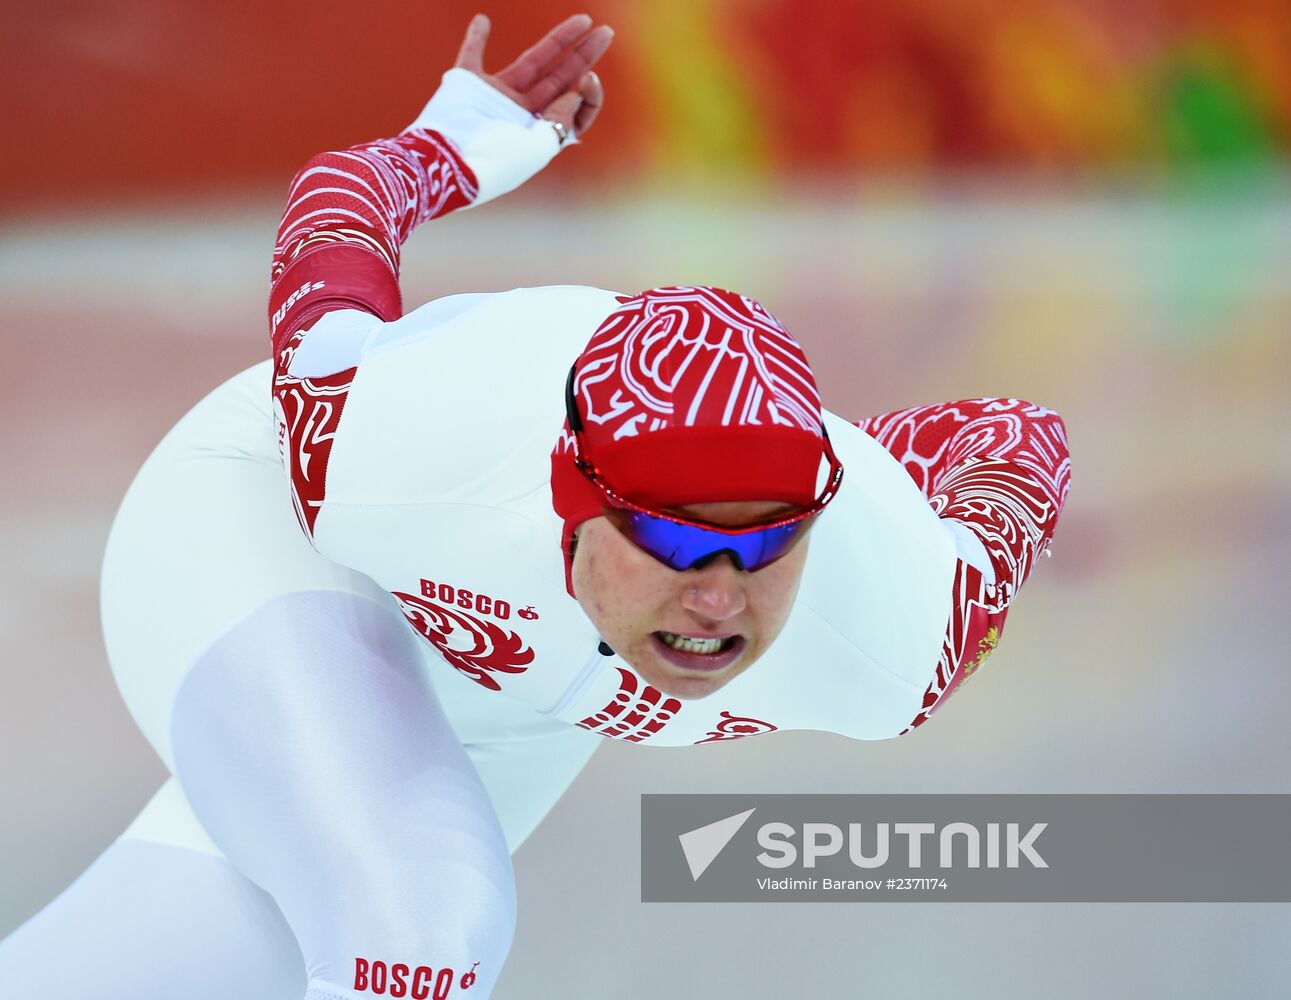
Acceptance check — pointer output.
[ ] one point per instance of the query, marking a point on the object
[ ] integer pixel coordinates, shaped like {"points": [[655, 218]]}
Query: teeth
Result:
{"points": [[705, 646]]}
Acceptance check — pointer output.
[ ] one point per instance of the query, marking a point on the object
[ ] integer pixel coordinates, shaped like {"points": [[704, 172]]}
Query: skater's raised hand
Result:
{"points": [[553, 78]]}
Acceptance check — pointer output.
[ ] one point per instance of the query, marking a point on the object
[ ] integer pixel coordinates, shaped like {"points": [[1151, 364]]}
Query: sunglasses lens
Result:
{"points": [[683, 546]]}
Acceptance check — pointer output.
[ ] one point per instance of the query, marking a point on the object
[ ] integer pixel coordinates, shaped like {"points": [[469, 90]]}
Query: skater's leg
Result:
{"points": [[314, 751]]}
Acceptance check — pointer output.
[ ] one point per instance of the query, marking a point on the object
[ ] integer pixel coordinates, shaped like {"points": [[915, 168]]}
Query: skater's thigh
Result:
{"points": [[205, 536], [313, 750], [153, 921]]}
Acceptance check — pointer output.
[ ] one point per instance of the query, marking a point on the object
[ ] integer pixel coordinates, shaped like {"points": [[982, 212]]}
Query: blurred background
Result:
{"points": [[1085, 204]]}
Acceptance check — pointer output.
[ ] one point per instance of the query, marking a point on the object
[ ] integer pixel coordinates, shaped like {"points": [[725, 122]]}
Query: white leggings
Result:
{"points": [[346, 803]]}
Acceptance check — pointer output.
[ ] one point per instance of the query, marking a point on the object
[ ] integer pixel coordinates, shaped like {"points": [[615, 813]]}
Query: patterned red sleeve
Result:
{"points": [[1001, 468], [347, 215]]}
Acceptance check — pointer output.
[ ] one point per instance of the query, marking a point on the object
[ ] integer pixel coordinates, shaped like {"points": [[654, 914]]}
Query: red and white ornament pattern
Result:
{"points": [[1001, 467], [742, 365], [477, 648], [734, 727], [307, 412], [368, 197], [635, 713]]}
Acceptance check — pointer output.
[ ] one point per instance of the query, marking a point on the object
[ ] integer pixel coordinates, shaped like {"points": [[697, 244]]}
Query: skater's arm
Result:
{"points": [[998, 471], [336, 263], [349, 211]]}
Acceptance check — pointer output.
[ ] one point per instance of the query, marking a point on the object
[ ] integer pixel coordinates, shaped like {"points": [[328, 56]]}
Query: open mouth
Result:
{"points": [[698, 653]]}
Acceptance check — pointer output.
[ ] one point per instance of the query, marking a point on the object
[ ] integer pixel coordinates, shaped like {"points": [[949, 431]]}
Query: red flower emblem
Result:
{"points": [[733, 727], [475, 647]]}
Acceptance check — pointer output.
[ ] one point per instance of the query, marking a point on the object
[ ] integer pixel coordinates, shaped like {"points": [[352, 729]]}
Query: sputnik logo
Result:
{"points": [[704, 844]]}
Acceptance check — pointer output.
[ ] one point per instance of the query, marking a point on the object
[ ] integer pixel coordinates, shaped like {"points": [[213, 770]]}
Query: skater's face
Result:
{"points": [[643, 608]]}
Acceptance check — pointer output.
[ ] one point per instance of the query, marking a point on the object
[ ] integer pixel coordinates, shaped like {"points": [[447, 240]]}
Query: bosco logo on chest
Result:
{"points": [[471, 600]]}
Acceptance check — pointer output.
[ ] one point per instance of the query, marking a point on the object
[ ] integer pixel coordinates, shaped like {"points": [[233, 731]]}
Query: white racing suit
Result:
{"points": [[334, 602]]}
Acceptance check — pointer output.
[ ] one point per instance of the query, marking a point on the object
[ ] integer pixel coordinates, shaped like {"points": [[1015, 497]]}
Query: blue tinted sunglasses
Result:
{"points": [[682, 543]]}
